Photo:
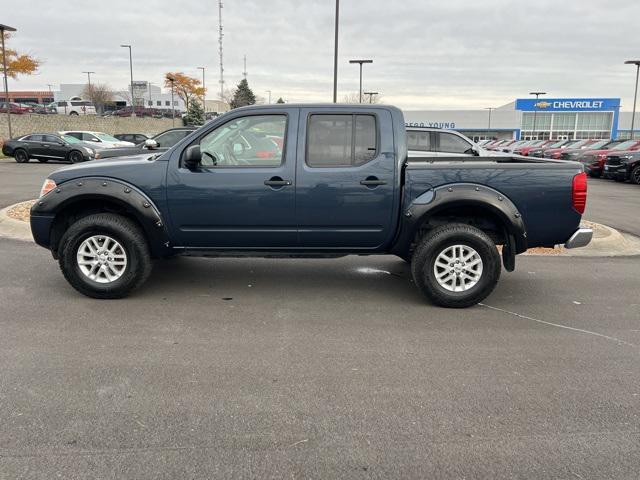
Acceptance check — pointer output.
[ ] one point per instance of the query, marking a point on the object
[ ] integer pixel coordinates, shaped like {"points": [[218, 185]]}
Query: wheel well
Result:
{"points": [[83, 207], [480, 217]]}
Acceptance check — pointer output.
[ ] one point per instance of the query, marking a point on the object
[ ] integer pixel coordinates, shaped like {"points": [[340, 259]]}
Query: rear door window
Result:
{"points": [[419, 141], [450, 143], [341, 140]]}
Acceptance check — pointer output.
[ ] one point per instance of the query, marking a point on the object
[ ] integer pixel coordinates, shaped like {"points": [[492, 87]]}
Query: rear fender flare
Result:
{"points": [[435, 200]]}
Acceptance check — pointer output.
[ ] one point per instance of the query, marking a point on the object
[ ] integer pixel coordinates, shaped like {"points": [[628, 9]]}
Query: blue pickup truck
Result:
{"points": [[308, 181]]}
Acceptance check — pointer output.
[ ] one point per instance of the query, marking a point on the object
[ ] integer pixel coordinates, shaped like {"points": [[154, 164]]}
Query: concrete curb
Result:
{"points": [[607, 241], [12, 228]]}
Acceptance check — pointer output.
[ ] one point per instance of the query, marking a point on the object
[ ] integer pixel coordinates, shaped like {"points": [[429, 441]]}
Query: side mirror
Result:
{"points": [[150, 143], [192, 157]]}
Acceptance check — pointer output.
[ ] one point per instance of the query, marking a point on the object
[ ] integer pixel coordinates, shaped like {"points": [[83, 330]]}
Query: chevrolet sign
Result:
{"points": [[568, 104]]}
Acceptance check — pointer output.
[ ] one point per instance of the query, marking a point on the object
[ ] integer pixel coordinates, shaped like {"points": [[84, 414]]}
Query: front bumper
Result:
{"points": [[580, 238]]}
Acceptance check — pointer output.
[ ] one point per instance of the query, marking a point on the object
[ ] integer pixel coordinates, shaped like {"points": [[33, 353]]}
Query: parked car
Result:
{"points": [[98, 139], [343, 184], [539, 151], [436, 142], [623, 166], [593, 160], [14, 108], [139, 111], [158, 143], [575, 153], [75, 106], [49, 146], [135, 138], [556, 152], [525, 149]]}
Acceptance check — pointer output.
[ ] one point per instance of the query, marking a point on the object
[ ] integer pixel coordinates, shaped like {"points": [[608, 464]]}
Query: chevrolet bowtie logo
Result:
{"points": [[542, 104]]}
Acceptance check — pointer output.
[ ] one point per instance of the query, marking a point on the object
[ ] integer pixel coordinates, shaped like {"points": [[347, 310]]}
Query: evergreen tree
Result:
{"points": [[195, 114], [280, 100], [243, 95]]}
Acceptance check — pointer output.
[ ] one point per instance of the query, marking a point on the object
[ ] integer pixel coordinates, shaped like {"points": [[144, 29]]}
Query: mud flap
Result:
{"points": [[508, 254]]}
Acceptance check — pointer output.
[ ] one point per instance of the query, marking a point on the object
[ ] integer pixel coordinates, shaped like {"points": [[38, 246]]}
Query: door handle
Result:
{"points": [[277, 182], [372, 182]]}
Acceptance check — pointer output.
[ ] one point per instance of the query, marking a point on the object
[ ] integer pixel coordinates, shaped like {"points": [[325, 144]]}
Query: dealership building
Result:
{"points": [[529, 118]]}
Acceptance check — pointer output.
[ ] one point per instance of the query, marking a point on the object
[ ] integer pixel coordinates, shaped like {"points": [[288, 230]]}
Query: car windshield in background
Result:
{"points": [[106, 137], [70, 139], [625, 145]]}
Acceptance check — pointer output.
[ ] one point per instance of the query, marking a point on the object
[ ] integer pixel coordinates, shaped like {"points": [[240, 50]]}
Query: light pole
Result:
{"points": [[89, 78], [535, 109], [204, 90], [6, 28], [335, 55], [371, 94], [269, 92], [635, 93], [360, 62], [489, 124], [173, 108], [133, 100]]}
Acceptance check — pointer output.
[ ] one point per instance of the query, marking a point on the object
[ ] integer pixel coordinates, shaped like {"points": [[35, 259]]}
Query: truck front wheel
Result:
{"points": [[104, 256], [456, 265]]}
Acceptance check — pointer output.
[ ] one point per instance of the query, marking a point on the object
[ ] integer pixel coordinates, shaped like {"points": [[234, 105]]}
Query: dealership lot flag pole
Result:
{"points": [[535, 110], [335, 56], [204, 90], [6, 28], [635, 94], [489, 125]]}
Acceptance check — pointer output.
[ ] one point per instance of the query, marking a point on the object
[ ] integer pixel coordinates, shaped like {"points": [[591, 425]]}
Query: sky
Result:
{"points": [[426, 54]]}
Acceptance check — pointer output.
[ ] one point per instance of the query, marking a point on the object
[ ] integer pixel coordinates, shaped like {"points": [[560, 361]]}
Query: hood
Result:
{"points": [[118, 167]]}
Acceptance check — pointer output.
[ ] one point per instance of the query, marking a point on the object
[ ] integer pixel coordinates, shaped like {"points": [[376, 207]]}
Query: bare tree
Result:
{"points": [[355, 98], [99, 94]]}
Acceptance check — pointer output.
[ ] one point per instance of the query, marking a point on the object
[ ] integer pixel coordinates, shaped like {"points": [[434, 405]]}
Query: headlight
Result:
{"points": [[89, 151], [47, 186]]}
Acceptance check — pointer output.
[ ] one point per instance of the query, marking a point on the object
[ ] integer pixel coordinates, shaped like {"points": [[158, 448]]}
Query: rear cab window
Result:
{"points": [[419, 141], [341, 140], [450, 143]]}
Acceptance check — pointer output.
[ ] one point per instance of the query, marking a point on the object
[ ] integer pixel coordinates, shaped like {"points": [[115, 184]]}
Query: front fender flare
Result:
{"points": [[133, 200]]}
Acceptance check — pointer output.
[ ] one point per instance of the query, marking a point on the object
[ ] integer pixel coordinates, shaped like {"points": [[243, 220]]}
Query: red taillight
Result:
{"points": [[579, 192]]}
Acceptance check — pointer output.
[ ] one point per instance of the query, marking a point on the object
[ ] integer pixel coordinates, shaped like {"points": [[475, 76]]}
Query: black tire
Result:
{"points": [[21, 155], [73, 113], [43, 160], [437, 241], [635, 175], [75, 156], [124, 231]]}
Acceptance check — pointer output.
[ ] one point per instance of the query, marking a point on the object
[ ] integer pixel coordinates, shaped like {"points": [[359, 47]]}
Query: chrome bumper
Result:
{"points": [[580, 238]]}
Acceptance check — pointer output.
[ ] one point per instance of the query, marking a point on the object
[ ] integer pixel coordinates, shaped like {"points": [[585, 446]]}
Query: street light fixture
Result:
{"points": [[173, 108], [635, 94], [371, 94], [133, 100], [491, 109], [360, 62], [204, 90], [6, 28], [89, 78], [535, 109]]}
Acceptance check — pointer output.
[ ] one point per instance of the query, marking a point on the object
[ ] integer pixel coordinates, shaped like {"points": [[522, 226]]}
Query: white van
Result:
{"points": [[75, 106]]}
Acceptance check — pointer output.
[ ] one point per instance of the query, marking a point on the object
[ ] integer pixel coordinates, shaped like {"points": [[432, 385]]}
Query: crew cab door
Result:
{"points": [[242, 195], [345, 178]]}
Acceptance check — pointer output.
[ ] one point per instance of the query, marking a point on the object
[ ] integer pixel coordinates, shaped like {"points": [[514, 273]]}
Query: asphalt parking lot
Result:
{"points": [[320, 368]]}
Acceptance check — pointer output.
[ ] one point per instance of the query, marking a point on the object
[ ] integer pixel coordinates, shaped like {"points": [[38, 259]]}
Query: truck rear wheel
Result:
{"points": [[105, 256], [456, 266]]}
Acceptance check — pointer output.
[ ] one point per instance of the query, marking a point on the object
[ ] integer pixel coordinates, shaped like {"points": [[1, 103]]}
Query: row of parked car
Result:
{"points": [[79, 146], [615, 159]]}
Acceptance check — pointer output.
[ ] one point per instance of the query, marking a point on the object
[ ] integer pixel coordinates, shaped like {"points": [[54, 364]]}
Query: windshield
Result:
{"points": [[106, 137], [557, 144], [600, 144], [625, 145], [70, 139]]}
